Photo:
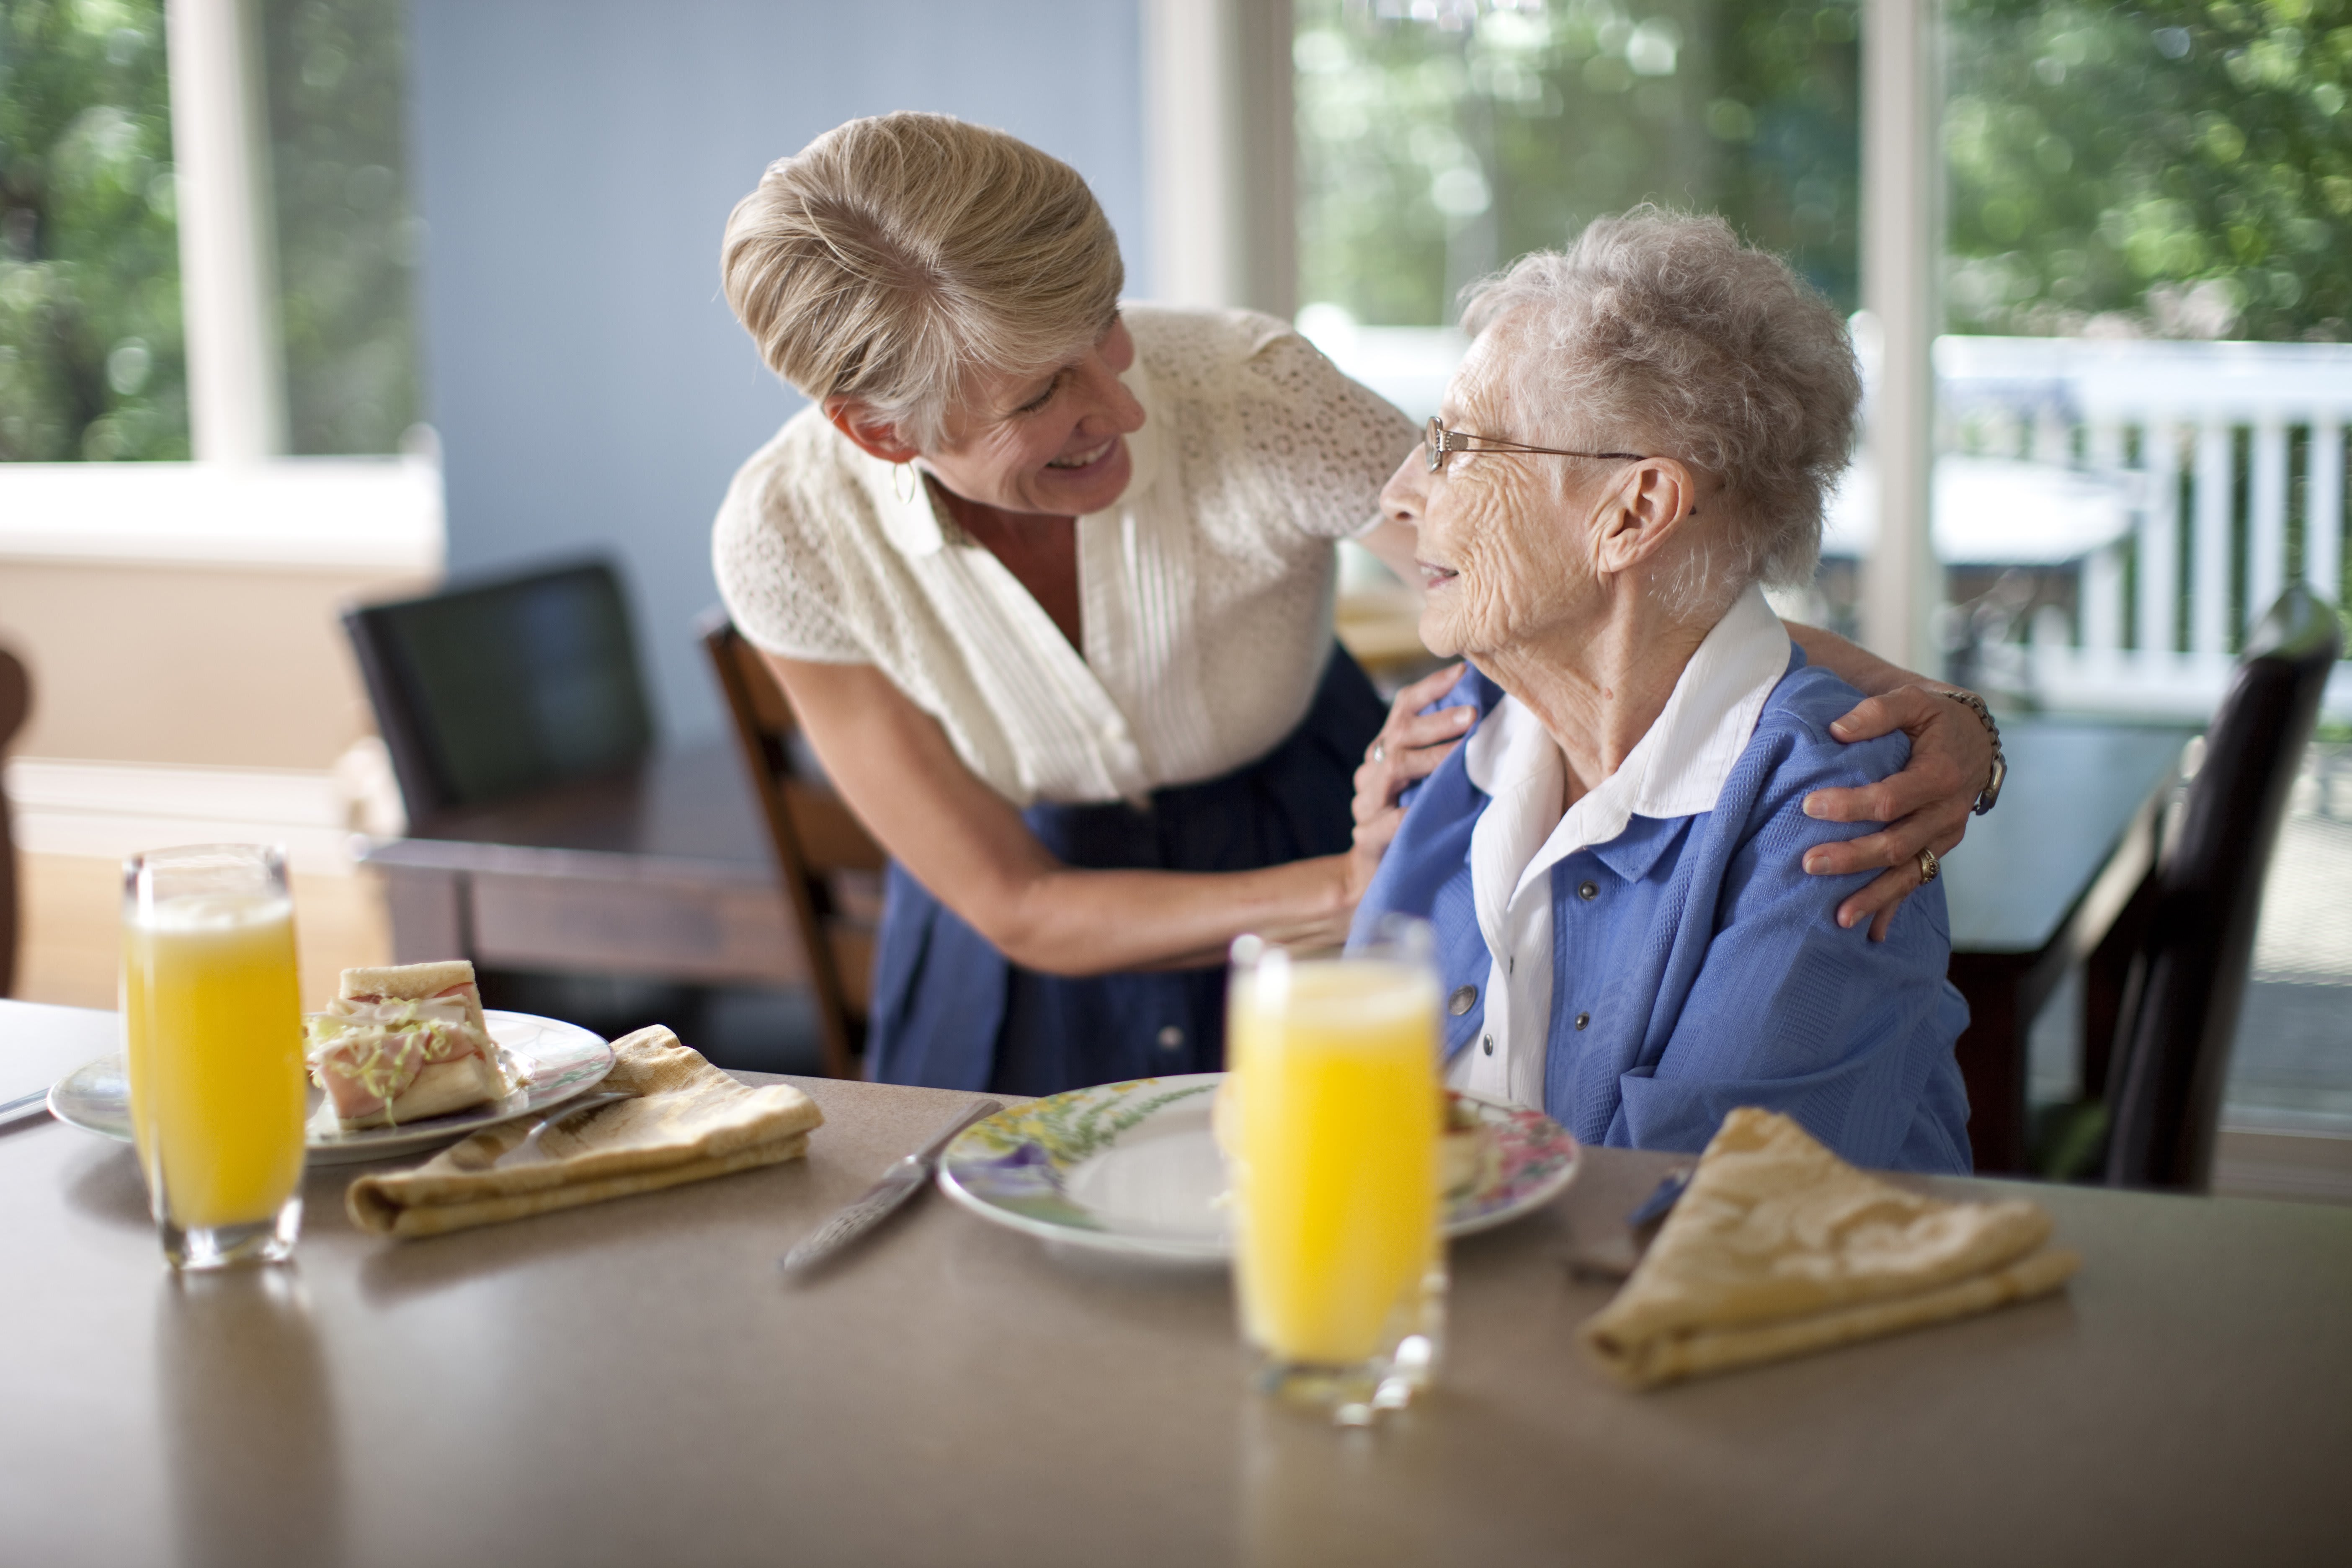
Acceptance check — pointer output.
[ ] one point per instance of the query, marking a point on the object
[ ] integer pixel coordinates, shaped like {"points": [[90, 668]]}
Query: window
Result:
{"points": [[1439, 141], [92, 359]]}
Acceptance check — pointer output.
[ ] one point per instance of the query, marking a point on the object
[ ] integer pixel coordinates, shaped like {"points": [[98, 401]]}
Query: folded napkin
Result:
{"points": [[689, 1121], [1778, 1248]]}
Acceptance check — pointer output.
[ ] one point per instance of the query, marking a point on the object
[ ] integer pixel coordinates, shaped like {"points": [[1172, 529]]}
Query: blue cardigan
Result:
{"points": [[1711, 964]]}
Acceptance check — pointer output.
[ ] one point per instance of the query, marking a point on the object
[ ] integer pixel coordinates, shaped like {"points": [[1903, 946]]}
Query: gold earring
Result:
{"points": [[903, 481]]}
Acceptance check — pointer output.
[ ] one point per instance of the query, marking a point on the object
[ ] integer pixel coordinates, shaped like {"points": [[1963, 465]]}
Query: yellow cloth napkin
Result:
{"points": [[690, 1120], [1778, 1248]]}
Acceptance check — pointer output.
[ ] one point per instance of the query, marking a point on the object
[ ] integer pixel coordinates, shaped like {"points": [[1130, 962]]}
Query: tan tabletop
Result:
{"points": [[632, 1383]]}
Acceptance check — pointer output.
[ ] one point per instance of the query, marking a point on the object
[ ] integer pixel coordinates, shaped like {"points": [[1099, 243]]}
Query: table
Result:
{"points": [[665, 872], [2044, 883], [662, 871], [632, 1383]]}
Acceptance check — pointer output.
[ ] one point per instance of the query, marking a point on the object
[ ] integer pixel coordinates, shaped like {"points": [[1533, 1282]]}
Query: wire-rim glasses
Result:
{"points": [[1440, 441]]}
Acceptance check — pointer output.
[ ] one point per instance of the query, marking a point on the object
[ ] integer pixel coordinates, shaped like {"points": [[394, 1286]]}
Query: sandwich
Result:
{"points": [[403, 1043]]}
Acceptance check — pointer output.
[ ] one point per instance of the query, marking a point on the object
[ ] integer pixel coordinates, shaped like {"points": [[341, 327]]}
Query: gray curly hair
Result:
{"points": [[1665, 334]]}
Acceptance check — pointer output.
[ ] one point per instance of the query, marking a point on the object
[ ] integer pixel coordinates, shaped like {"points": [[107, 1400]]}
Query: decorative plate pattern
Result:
{"points": [[1133, 1167], [552, 1061]]}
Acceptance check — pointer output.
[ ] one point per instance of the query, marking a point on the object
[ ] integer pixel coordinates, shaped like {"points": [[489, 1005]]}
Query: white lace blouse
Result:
{"points": [[1204, 592]]}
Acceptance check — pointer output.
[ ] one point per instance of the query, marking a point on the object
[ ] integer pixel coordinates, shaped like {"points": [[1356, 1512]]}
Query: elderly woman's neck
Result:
{"points": [[1598, 691]]}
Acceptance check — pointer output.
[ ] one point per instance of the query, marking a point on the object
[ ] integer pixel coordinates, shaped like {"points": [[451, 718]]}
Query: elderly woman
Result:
{"points": [[1640, 436], [1049, 584]]}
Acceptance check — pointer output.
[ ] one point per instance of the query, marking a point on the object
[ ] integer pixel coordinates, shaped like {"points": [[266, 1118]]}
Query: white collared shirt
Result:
{"points": [[1205, 590], [1677, 769]]}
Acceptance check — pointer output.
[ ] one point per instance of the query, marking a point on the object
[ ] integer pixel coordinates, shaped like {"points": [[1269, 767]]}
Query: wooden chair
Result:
{"points": [[15, 702], [2187, 977], [831, 867]]}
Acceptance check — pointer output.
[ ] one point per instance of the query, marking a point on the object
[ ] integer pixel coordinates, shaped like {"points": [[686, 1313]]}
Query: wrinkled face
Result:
{"points": [[1050, 443], [1506, 545]]}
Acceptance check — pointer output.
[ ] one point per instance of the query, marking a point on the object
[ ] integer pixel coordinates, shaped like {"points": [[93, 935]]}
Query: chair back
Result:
{"points": [[831, 868], [2186, 985], [16, 703], [497, 688]]}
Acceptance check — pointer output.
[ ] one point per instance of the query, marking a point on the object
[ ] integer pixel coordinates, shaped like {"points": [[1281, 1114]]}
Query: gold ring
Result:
{"points": [[1929, 867]]}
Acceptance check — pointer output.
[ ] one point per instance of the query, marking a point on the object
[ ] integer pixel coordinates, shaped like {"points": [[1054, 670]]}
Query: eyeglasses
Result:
{"points": [[1440, 441]]}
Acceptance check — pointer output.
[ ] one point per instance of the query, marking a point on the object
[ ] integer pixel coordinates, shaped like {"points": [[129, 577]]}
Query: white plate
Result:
{"points": [[554, 1061], [1132, 1167]]}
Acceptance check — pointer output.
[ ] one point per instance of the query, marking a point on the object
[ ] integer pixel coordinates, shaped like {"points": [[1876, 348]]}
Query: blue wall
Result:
{"points": [[575, 161]]}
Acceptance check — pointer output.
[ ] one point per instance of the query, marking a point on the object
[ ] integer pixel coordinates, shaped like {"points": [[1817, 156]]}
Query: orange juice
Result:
{"points": [[1337, 1170], [213, 1014]]}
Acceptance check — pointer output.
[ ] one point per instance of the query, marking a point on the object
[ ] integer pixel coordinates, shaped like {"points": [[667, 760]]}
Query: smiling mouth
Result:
{"points": [[1433, 575], [1085, 459]]}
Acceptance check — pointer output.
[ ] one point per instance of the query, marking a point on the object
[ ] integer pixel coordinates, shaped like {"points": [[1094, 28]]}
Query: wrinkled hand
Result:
{"points": [[1926, 806], [1408, 748]]}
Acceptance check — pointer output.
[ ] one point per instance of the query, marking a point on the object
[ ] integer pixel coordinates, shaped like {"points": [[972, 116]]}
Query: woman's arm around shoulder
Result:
{"points": [[1923, 807], [1792, 1010]]}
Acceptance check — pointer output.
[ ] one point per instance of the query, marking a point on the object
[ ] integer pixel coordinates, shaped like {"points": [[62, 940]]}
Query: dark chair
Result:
{"points": [[15, 702], [831, 865], [2187, 977], [497, 688]]}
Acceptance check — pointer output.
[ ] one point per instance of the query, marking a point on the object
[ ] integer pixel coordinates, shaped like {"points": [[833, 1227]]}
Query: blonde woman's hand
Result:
{"points": [[1924, 806], [1408, 748]]}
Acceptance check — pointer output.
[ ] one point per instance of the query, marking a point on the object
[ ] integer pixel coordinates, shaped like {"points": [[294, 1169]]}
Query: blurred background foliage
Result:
{"points": [[2173, 170], [91, 362], [1439, 141], [2177, 169]]}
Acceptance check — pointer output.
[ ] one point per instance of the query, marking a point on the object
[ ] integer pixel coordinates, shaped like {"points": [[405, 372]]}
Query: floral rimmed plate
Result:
{"points": [[1132, 1167], [553, 1062]]}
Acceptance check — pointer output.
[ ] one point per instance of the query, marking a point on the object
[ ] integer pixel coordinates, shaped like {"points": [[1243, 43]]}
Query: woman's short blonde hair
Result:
{"points": [[892, 257], [1657, 331]]}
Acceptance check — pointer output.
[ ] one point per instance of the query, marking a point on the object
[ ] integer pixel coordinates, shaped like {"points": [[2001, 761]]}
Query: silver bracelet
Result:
{"points": [[1989, 797]]}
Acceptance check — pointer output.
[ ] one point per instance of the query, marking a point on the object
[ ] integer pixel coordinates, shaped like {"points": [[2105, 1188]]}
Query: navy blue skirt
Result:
{"points": [[951, 1011]]}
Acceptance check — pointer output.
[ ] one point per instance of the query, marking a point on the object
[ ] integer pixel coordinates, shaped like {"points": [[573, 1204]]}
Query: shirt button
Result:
{"points": [[1489, 1045], [1464, 997], [1588, 891], [1583, 1019], [1172, 1038]]}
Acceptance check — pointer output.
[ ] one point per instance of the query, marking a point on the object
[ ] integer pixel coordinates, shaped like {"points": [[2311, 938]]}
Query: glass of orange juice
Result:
{"points": [[1334, 1132], [212, 1017]]}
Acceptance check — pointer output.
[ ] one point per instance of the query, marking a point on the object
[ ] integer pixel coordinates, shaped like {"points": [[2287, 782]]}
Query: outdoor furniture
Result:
{"points": [[2188, 976], [632, 1382], [830, 867]]}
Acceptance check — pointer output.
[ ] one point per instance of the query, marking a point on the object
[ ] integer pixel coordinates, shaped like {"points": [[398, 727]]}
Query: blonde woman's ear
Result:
{"points": [[868, 430]]}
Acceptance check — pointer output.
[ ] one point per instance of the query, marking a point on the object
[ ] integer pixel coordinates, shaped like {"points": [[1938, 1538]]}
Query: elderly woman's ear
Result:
{"points": [[1648, 510]]}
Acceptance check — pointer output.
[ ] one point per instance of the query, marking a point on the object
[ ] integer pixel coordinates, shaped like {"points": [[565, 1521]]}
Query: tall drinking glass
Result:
{"points": [[213, 1017], [1337, 1118]]}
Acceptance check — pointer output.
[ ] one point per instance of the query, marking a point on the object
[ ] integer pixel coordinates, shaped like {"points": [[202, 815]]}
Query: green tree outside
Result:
{"points": [[90, 359], [2173, 170]]}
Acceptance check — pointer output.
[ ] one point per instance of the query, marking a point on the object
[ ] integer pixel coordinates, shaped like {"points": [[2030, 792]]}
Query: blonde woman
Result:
{"points": [[1048, 580]]}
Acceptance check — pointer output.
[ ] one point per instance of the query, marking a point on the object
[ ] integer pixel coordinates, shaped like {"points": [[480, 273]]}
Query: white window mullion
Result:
{"points": [[236, 402], [1902, 235]]}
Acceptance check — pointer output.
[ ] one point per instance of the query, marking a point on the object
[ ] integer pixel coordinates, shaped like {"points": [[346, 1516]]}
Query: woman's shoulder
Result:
{"points": [[1794, 744], [801, 474], [1197, 347]]}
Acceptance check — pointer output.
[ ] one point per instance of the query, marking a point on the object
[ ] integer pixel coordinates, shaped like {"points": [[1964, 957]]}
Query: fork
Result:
{"points": [[529, 1148]]}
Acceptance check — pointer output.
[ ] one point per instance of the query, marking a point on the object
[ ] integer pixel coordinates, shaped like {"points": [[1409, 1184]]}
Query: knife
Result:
{"points": [[9, 1107], [901, 1182]]}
